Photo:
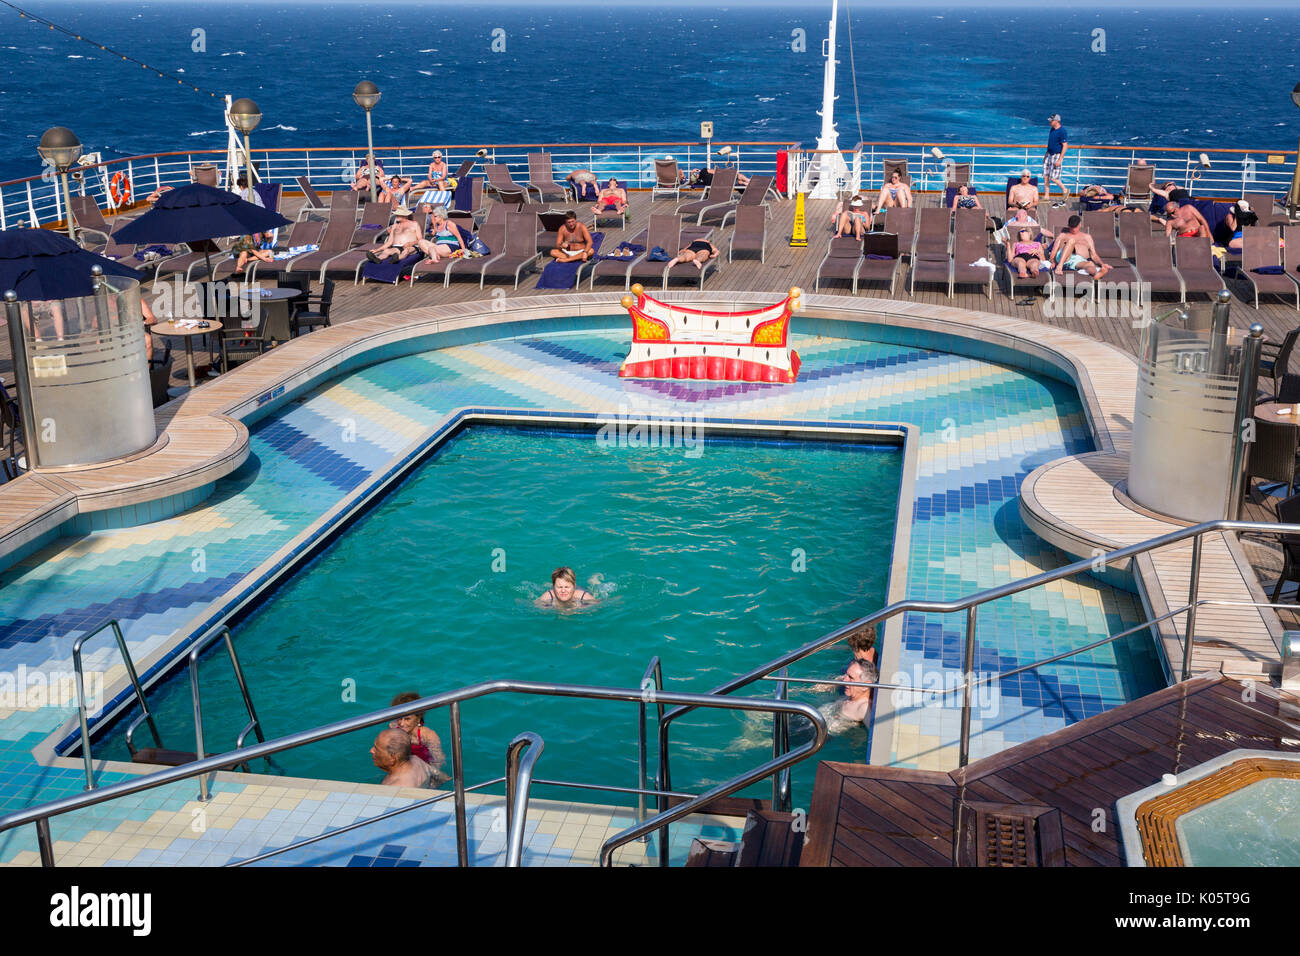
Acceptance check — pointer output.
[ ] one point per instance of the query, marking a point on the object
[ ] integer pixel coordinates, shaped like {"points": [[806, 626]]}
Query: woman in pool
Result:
{"points": [[424, 742], [565, 592]]}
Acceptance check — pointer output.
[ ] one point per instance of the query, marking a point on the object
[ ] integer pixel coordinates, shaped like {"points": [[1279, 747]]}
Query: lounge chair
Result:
{"points": [[1265, 206], [354, 261], [666, 232], [931, 266], [375, 217], [1053, 220], [958, 174], [1260, 251], [1196, 266], [718, 195], [541, 177], [969, 220], [618, 268], [1132, 226], [88, 219], [902, 223], [196, 258], [750, 234], [685, 270], [311, 200], [967, 248], [668, 180], [1042, 279], [1101, 226], [520, 251], [888, 166], [1155, 264], [336, 238], [493, 235], [842, 261], [933, 234], [755, 194], [206, 173], [501, 187], [1137, 188], [469, 203], [877, 269]]}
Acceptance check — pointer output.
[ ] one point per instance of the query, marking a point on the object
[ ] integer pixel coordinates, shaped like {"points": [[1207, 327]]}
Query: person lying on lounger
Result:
{"points": [[445, 237], [697, 253], [583, 182], [1185, 220], [964, 199], [437, 178], [403, 240], [851, 216], [894, 193], [361, 181], [1237, 218], [1024, 194], [572, 241], [611, 199], [1074, 249], [248, 248], [1027, 253]]}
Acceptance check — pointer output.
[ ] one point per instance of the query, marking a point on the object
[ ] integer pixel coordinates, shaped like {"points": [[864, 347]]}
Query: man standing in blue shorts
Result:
{"points": [[1056, 147]]}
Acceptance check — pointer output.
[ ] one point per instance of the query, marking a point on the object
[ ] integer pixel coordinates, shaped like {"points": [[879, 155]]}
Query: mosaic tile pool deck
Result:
{"points": [[983, 427]]}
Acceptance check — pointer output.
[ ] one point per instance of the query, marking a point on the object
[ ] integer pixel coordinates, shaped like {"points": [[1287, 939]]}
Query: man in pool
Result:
{"points": [[857, 700], [565, 592], [392, 754]]}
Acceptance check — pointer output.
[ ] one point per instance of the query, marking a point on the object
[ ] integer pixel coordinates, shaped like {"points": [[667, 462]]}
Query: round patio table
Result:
{"points": [[1278, 412], [170, 328]]}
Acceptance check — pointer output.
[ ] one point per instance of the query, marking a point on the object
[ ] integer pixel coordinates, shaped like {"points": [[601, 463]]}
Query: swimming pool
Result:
{"points": [[716, 556]]}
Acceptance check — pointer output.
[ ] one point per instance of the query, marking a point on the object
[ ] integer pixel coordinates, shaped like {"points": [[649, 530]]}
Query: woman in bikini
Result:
{"points": [[851, 216], [697, 253], [611, 199], [424, 742], [1025, 251], [565, 592], [963, 199], [894, 193]]}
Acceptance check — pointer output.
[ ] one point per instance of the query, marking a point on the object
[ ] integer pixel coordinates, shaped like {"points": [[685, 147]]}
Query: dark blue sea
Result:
{"points": [[614, 72]]}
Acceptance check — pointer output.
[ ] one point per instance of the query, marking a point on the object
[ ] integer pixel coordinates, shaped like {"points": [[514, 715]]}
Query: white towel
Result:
{"points": [[983, 261]]}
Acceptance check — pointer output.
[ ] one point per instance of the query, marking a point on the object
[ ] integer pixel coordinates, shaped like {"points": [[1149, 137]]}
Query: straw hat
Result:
{"points": [[401, 211]]}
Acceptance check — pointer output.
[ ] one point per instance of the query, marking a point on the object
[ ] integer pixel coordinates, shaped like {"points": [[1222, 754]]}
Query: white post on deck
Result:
{"points": [[833, 174]]}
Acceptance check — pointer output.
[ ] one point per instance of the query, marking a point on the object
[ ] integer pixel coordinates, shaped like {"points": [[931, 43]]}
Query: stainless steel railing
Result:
{"points": [[521, 757], [253, 724], [82, 709], [40, 815]]}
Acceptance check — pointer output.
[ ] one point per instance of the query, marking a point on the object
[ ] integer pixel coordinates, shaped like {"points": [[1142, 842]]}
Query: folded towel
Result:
{"points": [[296, 251], [983, 261], [872, 255], [657, 254]]}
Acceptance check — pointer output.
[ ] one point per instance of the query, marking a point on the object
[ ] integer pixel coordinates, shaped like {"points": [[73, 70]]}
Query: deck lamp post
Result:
{"points": [[367, 97], [1293, 196], [60, 148], [244, 116]]}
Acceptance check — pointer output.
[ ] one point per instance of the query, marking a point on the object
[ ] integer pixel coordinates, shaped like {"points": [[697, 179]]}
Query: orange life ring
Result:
{"points": [[120, 188]]}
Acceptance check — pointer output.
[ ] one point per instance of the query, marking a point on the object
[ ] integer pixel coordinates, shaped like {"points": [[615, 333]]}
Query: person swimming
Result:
{"points": [[565, 592]]}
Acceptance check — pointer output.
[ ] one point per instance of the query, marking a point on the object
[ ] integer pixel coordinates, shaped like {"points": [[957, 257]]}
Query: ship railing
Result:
{"points": [[38, 200], [522, 756], [777, 669]]}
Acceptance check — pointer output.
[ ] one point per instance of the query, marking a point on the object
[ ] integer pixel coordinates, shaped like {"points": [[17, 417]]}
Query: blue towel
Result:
{"points": [[564, 275], [1270, 270], [657, 254], [390, 272]]}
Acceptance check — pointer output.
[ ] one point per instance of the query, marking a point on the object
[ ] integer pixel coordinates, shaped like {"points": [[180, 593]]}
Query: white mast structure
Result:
{"points": [[832, 172]]}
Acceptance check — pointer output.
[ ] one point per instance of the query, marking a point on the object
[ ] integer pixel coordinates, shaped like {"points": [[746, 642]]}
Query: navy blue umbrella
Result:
{"points": [[196, 211], [39, 264]]}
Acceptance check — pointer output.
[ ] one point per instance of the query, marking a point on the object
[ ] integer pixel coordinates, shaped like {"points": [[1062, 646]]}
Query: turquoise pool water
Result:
{"points": [[717, 559], [1258, 825]]}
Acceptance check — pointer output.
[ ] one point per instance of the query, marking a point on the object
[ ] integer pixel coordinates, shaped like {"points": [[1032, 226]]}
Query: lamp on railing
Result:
{"points": [[367, 97], [1293, 195], [1203, 163], [244, 116], [60, 148]]}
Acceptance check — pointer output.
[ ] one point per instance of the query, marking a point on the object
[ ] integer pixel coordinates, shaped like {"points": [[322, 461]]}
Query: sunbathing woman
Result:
{"points": [[1026, 253], [963, 199], [445, 237], [611, 199], [851, 216], [697, 253], [361, 181], [437, 178], [894, 193], [248, 248]]}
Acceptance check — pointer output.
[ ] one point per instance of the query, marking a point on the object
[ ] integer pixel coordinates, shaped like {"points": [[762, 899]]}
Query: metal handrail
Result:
{"points": [[40, 815], [651, 683], [971, 602], [253, 724], [82, 714], [521, 757]]}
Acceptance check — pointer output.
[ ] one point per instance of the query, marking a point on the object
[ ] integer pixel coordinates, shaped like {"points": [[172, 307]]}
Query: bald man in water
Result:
{"points": [[392, 754]]}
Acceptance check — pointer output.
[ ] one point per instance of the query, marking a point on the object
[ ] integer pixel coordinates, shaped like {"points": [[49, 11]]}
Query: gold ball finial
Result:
{"points": [[638, 290], [627, 302], [795, 292]]}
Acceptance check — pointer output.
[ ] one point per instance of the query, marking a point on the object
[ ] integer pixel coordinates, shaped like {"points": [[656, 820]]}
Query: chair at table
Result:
{"points": [[1272, 455], [10, 435], [1288, 512], [1274, 358], [313, 310]]}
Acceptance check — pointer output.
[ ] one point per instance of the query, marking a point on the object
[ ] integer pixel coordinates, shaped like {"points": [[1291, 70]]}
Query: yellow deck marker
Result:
{"points": [[800, 237]]}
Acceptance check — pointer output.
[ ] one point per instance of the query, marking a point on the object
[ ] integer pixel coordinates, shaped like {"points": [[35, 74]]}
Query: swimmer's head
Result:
{"points": [[408, 722], [563, 582], [862, 640]]}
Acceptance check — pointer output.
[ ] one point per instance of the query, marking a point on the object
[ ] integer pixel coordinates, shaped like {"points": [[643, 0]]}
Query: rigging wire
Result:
{"points": [[852, 69], [28, 15]]}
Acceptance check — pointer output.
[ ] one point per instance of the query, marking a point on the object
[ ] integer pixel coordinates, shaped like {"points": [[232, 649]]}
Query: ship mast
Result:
{"points": [[832, 175]]}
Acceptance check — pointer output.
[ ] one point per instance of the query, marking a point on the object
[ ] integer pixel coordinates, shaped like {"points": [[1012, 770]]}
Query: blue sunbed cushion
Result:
{"points": [[1270, 270], [390, 272], [564, 275]]}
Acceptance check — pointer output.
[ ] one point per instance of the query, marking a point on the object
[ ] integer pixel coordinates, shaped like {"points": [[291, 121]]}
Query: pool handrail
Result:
{"points": [[83, 715], [40, 814], [521, 757]]}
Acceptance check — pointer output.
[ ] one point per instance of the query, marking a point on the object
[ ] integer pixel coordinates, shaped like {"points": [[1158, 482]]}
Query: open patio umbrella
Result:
{"points": [[40, 265], [194, 212]]}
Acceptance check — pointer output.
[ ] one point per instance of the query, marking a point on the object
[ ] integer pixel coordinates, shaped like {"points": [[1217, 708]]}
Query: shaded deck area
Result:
{"points": [[883, 816]]}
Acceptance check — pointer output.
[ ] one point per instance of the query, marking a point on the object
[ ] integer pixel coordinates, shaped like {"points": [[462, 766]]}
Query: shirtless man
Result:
{"points": [[403, 239], [565, 592], [1074, 249], [1185, 220], [572, 241], [392, 754], [1024, 194], [857, 700]]}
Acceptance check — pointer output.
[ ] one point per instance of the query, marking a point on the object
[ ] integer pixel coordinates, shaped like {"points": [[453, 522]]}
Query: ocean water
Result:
{"points": [[1193, 77], [434, 589]]}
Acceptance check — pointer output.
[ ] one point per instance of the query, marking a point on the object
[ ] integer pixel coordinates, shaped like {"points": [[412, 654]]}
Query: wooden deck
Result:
{"points": [[883, 816]]}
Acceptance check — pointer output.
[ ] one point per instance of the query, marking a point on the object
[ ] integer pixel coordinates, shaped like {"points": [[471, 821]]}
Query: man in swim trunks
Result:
{"points": [[392, 754], [1074, 249], [564, 591], [572, 241], [1185, 220], [1024, 195], [403, 239], [1055, 157]]}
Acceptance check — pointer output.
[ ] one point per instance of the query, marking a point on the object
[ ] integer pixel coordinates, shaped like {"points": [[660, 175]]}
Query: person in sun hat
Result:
{"points": [[1055, 156]]}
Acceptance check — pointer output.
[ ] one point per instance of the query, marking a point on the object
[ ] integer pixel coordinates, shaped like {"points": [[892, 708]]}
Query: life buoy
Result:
{"points": [[120, 188]]}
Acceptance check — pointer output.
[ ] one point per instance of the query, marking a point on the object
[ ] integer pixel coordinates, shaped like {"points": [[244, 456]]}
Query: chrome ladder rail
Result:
{"points": [[521, 756], [82, 714], [253, 724]]}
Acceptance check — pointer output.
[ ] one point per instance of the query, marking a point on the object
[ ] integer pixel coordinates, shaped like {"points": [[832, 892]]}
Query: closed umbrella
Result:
{"points": [[194, 212], [41, 265]]}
